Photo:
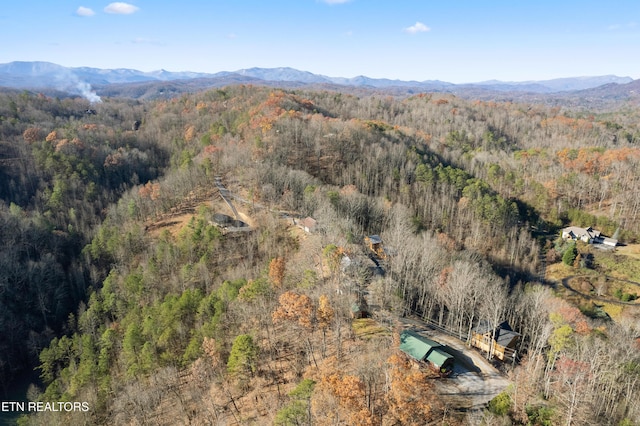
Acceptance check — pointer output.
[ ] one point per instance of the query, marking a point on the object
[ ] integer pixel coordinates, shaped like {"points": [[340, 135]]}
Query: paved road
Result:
{"points": [[474, 381]]}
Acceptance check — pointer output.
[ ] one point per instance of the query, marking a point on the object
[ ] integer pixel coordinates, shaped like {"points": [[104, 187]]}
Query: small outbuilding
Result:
{"points": [[423, 349], [224, 221], [375, 245], [359, 309], [308, 224]]}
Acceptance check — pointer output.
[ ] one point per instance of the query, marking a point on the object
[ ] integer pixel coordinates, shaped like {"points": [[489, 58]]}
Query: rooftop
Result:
{"points": [[579, 232], [504, 333], [423, 349], [375, 239]]}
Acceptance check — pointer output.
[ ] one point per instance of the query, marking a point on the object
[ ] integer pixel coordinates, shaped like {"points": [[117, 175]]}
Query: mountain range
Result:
{"points": [[92, 82]]}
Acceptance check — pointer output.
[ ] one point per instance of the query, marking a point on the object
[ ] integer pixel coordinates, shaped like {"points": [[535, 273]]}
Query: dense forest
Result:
{"points": [[120, 290]]}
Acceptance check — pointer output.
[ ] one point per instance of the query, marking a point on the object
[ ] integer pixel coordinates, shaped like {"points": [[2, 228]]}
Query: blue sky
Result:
{"points": [[455, 41]]}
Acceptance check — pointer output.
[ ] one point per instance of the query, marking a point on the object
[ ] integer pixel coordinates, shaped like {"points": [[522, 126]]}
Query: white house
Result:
{"points": [[588, 235]]}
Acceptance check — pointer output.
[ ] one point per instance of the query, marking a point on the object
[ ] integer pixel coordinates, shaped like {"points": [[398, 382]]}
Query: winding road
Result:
{"points": [[565, 284]]}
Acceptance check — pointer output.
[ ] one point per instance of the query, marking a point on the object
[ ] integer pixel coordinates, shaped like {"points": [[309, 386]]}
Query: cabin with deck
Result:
{"points": [[499, 342]]}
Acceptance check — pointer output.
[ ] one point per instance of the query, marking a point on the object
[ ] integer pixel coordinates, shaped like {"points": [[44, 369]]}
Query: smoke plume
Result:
{"points": [[68, 81], [87, 92]]}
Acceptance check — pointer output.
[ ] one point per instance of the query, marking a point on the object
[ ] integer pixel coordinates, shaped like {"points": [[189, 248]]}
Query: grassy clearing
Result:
{"points": [[631, 250], [174, 225], [558, 271], [368, 328], [614, 311], [621, 266], [618, 267]]}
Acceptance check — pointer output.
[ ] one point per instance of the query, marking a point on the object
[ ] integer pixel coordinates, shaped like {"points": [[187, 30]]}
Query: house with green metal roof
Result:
{"points": [[424, 349]]}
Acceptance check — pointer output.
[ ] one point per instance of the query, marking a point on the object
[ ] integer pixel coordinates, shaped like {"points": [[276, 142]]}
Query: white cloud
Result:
{"points": [[335, 1], [141, 40], [84, 11], [120, 8], [616, 27], [419, 27]]}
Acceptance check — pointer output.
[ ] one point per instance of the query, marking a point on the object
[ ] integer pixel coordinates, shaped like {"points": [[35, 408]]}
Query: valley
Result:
{"points": [[216, 263]]}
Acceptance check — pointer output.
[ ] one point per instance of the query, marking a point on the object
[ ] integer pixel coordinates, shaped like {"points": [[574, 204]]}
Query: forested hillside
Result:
{"points": [[60, 169], [117, 284]]}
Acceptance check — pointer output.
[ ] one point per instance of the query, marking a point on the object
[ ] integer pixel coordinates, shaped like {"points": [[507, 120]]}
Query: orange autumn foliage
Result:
{"points": [[295, 308], [189, 133], [209, 150], [32, 134], [572, 316], [150, 190], [276, 270], [325, 312], [552, 188], [411, 397], [306, 103], [349, 394], [564, 121], [52, 136], [594, 160], [267, 113]]}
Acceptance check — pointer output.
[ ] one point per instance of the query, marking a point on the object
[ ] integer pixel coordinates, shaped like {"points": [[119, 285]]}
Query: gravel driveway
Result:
{"points": [[474, 381]]}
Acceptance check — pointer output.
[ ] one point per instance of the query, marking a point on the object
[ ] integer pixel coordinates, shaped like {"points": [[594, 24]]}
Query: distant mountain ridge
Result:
{"points": [[557, 84], [34, 75]]}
